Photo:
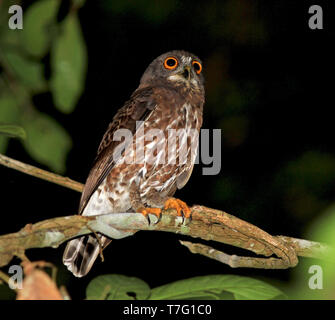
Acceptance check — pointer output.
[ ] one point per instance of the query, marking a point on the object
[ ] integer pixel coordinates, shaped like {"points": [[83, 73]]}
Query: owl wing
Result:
{"points": [[184, 177], [138, 108]]}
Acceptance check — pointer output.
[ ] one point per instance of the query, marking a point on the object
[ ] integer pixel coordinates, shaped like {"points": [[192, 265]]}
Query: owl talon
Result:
{"points": [[180, 206], [146, 211]]}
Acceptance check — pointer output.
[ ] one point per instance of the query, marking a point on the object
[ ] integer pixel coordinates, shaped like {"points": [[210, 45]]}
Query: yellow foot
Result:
{"points": [[180, 206], [156, 211]]}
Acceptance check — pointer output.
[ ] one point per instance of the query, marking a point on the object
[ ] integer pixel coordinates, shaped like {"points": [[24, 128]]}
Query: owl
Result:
{"points": [[169, 98]]}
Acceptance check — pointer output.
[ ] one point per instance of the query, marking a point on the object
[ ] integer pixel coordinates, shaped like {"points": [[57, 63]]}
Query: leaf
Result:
{"points": [[12, 131], [240, 287], [37, 24], [9, 113], [3, 144], [318, 272], [29, 72], [47, 142], [9, 37], [117, 287], [68, 63]]}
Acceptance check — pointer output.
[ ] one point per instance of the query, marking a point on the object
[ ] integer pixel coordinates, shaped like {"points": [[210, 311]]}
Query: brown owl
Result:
{"points": [[170, 97]]}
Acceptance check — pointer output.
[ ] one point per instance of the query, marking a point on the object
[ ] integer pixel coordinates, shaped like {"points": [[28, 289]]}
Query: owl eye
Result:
{"points": [[170, 63], [197, 66]]}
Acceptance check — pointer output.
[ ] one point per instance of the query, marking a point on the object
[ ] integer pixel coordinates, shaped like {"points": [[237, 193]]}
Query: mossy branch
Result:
{"points": [[205, 223]]}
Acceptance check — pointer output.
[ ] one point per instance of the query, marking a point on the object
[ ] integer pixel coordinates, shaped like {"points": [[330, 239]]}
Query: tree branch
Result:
{"points": [[41, 174], [303, 248], [206, 223]]}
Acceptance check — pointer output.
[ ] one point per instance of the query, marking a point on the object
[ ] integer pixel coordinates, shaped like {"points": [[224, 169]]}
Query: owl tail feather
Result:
{"points": [[80, 253]]}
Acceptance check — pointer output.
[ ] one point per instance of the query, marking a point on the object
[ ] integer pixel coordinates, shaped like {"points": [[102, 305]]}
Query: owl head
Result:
{"points": [[177, 67]]}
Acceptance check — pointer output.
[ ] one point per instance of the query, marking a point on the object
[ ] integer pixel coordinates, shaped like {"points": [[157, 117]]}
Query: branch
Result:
{"points": [[206, 223], [303, 248], [41, 174]]}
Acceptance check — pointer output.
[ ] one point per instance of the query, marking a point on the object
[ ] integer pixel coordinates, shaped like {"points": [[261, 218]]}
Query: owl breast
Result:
{"points": [[174, 155], [164, 159]]}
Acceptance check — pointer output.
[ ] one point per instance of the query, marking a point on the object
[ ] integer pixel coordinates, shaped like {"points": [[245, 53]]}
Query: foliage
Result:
{"points": [[25, 55], [307, 284], [217, 287], [12, 131], [68, 61]]}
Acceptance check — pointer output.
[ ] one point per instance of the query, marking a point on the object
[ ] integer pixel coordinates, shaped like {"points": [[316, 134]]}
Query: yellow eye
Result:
{"points": [[170, 63], [197, 66]]}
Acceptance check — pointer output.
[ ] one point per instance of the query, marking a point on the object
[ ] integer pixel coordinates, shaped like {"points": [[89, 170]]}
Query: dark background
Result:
{"points": [[269, 87]]}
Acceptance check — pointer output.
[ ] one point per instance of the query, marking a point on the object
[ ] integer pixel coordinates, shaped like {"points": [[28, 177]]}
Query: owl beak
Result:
{"points": [[187, 73]]}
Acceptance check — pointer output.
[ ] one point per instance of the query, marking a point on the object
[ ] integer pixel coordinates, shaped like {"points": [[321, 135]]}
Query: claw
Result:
{"points": [[146, 211], [180, 206]]}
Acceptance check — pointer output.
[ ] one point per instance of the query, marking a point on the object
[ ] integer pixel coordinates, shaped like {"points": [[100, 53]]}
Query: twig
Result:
{"points": [[4, 277], [41, 174], [206, 223], [316, 250], [307, 248]]}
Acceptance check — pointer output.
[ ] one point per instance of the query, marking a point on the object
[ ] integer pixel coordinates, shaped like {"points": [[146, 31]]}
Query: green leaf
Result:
{"points": [[3, 144], [319, 272], [47, 142], [117, 287], [12, 131], [29, 72], [68, 62], [240, 287], [9, 113], [322, 230], [38, 21], [9, 37]]}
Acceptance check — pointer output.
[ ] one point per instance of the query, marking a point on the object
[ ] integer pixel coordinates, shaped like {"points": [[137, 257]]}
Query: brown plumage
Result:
{"points": [[170, 96]]}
